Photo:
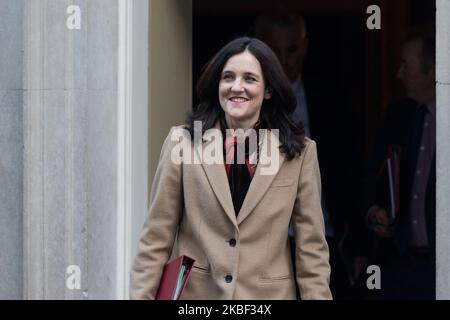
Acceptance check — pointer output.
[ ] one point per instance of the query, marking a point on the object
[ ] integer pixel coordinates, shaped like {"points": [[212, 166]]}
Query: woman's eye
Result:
{"points": [[227, 76], [251, 79]]}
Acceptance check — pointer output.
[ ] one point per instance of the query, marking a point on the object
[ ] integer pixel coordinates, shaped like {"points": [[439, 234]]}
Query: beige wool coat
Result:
{"points": [[191, 212]]}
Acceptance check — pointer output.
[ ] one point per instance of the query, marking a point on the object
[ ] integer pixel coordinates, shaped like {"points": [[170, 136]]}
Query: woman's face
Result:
{"points": [[242, 89]]}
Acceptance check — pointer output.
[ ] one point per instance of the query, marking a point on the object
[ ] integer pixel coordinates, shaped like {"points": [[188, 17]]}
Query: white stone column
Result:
{"points": [[11, 41], [70, 149], [443, 149]]}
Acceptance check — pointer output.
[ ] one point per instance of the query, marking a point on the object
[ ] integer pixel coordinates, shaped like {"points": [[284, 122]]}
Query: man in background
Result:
{"points": [[320, 110], [406, 242]]}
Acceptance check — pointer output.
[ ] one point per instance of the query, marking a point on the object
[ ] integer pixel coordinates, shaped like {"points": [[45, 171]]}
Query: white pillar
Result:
{"points": [[11, 151], [70, 149], [443, 149], [132, 131]]}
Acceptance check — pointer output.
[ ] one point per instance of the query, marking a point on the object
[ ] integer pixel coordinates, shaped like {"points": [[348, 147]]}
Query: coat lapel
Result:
{"points": [[263, 177], [261, 181], [217, 176]]}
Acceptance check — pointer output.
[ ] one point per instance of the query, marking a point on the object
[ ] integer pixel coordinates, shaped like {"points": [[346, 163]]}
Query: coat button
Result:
{"points": [[228, 278], [232, 242]]}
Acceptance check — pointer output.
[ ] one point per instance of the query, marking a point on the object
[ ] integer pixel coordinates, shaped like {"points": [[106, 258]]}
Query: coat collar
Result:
{"points": [[266, 172]]}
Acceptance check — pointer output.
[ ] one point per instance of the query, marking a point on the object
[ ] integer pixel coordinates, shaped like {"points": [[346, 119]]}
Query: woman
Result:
{"points": [[232, 217]]}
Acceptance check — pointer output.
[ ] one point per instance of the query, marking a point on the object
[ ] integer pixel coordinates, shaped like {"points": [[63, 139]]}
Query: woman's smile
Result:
{"points": [[238, 99], [241, 90]]}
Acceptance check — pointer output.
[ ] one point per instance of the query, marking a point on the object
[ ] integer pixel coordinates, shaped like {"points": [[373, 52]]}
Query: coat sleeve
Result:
{"points": [[160, 228], [311, 254]]}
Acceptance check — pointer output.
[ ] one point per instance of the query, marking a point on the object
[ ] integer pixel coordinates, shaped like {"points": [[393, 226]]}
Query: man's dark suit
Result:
{"points": [[406, 274]]}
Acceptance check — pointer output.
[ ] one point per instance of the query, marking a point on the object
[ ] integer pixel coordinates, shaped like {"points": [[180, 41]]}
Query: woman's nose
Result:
{"points": [[237, 86]]}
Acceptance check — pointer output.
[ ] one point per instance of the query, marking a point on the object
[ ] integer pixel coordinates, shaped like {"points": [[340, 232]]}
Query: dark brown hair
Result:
{"points": [[276, 112]]}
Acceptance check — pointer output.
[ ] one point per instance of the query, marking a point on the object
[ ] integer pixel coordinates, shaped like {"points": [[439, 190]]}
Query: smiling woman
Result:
{"points": [[242, 90], [248, 69], [231, 218]]}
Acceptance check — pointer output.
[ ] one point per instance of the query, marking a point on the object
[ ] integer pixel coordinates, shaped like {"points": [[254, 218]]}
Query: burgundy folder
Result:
{"points": [[175, 275]]}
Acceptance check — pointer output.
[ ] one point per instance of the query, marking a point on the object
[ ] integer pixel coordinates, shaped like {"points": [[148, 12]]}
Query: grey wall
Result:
{"points": [[70, 143], [11, 145], [443, 149], [58, 149]]}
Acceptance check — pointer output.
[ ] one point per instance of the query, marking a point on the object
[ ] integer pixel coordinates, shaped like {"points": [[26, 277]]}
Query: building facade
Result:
{"points": [[84, 106]]}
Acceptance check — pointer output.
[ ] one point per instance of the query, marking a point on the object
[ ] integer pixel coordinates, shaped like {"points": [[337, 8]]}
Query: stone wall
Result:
{"points": [[443, 148], [11, 149], [58, 142]]}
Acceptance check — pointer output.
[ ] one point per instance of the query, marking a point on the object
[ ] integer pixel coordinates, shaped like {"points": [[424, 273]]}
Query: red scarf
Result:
{"points": [[239, 175]]}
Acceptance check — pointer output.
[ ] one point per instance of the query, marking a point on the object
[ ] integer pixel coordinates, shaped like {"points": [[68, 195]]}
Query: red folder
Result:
{"points": [[175, 276]]}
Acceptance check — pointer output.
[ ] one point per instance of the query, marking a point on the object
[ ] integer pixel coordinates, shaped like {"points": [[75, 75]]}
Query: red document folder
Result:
{"points": [[175, 275]]}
